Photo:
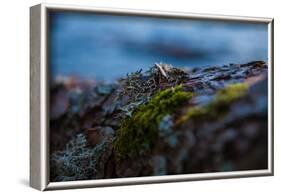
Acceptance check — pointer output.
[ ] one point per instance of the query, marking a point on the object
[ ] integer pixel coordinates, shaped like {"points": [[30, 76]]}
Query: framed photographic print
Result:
{"points": [[123, 97]]}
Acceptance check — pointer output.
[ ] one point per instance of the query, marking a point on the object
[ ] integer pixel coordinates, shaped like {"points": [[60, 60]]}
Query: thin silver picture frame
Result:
{"points": [[39, 76]]}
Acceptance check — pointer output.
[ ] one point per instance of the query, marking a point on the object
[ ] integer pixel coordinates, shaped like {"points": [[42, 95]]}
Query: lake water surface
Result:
{"points": [[106, 47]]}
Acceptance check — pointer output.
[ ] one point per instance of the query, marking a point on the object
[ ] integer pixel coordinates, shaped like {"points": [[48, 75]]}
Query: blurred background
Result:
{"points": [[106, 47]]}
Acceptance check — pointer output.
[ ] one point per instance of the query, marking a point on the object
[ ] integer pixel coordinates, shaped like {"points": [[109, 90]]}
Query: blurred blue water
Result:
{"points": [[106, 47]]}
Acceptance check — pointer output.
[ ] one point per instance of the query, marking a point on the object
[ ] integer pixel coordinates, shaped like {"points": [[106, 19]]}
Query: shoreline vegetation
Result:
{"points": [[161, 121]]}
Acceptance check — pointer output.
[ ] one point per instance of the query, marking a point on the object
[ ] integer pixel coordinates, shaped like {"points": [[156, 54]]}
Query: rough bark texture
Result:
{"points": [[162, 121]]}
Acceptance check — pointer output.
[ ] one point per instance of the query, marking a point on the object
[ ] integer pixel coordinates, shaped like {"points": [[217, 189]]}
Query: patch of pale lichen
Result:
{"points": [[140, 86], [218, 107], [138, 133]]}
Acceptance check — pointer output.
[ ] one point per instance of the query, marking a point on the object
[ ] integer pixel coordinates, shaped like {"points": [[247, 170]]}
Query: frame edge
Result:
{"points": [[155, 13], [35, 176], [271, 54]]}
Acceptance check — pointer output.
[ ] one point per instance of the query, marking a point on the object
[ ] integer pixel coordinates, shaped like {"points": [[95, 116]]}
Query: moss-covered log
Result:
{"points": [[163, 121]]}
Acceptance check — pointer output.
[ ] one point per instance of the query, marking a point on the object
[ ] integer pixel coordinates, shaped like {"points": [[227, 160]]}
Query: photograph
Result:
{"points": [[146, 95]]}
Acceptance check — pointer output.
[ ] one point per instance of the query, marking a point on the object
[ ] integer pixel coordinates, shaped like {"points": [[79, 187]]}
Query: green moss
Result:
{"points": [[231, 93], [218, 107], [137, 134]]}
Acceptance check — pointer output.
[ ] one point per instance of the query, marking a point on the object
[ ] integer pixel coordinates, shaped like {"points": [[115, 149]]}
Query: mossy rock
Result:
{"points": [[138, 134]]}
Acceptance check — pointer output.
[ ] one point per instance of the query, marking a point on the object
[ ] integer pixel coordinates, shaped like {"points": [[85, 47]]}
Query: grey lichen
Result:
{"points": [[77, 161], [141, 86]]}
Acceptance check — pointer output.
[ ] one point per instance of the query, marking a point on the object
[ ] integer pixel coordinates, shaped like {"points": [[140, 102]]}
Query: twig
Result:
{"points": [[161, 70]]}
